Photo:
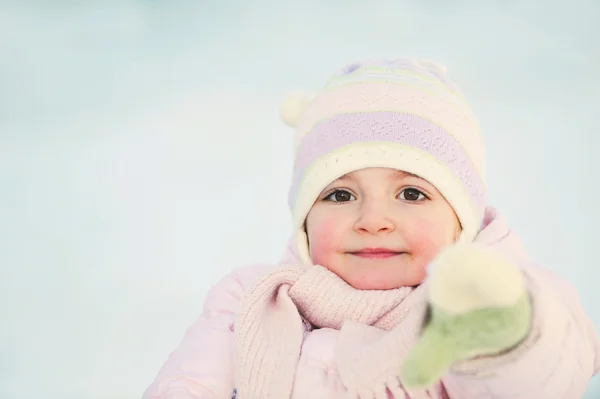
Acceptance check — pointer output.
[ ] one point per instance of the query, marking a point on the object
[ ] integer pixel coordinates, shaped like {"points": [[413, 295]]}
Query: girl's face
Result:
{"points": [[379, 228]]}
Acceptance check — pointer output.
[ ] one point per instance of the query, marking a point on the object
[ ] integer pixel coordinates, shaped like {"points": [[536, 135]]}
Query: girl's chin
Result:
{"points": [[379, 274], [383, 281]]}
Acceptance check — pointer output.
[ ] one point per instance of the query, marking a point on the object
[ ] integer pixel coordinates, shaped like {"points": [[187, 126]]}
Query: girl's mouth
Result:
{"points": [[376, 253]]}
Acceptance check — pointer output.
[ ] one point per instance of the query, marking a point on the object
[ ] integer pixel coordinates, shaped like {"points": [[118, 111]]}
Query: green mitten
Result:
{"points": [[478, 305]]}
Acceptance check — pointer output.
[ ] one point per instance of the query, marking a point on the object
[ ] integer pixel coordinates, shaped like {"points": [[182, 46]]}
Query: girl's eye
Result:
{"points": [[340, 196], [412, 194]]}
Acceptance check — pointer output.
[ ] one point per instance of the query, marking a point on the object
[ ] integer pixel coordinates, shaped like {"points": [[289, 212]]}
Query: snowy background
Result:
{"points": [[141, 156]]}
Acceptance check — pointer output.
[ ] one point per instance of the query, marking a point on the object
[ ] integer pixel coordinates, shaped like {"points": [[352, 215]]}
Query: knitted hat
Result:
{"points": [[402, 114]]}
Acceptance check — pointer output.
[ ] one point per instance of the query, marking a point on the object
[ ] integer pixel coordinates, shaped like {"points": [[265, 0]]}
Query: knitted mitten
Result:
{"points": [[478, 305]]}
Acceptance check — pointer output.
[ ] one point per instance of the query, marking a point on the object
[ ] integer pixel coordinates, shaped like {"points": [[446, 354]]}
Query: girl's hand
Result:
{"points": [[478, 305]]}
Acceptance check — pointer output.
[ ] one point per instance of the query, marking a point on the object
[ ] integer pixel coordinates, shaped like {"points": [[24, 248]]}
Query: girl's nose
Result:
{"points": [[374, 218]]}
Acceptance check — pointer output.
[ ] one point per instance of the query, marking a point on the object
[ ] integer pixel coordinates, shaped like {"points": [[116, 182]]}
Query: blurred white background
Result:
{"points": [[141, 156]]}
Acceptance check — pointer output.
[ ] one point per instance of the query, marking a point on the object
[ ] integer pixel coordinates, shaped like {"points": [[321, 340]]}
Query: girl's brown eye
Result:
{"points": [[340, 196], [412, 194]]}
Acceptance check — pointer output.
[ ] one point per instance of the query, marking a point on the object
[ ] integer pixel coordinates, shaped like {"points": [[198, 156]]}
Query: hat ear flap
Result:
{"points": [[293, 106]]}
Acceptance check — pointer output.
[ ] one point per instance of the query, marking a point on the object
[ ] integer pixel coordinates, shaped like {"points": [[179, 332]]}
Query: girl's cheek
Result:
{"points": [[322, 239], [429, 237]]}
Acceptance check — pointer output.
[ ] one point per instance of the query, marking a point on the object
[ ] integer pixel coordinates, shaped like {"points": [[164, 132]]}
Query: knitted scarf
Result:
{"points": [[270, 327]]}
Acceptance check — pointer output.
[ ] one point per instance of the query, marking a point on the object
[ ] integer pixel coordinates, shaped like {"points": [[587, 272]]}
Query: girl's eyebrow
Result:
{"points": [[345, 177], [400, 174]]}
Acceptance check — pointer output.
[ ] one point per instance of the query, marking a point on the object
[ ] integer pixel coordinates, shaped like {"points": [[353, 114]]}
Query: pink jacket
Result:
{"points": [[556, 362]]}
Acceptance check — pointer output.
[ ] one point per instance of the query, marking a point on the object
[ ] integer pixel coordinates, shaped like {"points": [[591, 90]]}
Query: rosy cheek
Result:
{"points": [[427, 239], [322, 240]]}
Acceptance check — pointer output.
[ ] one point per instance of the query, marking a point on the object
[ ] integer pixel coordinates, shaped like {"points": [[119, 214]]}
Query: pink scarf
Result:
{"points": [[270, 328]]}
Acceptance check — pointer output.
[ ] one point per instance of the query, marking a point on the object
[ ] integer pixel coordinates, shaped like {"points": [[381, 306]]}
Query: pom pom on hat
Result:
{"points": [[293, 106]]}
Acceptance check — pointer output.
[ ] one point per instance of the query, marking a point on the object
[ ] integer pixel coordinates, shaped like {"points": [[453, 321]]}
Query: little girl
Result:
{"points": [[399, 279]]}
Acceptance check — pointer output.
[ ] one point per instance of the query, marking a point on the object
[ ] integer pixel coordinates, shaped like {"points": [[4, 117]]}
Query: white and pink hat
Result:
{"points": [[402, 114]]}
